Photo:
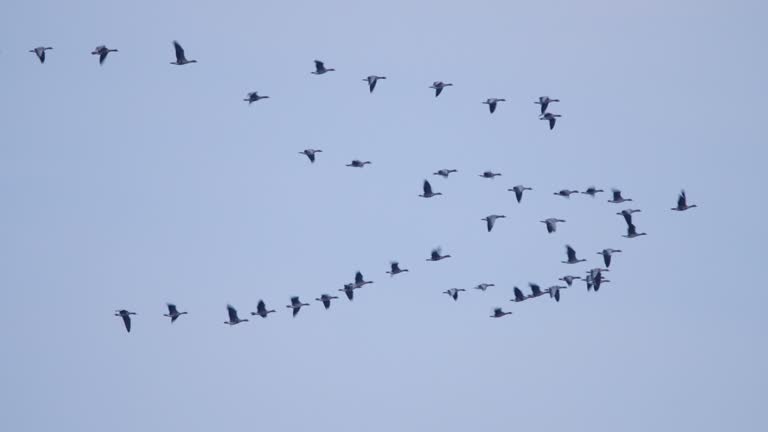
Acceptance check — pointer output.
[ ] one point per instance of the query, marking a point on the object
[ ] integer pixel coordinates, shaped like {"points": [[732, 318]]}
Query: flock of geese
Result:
{"points": [[593, 278]]}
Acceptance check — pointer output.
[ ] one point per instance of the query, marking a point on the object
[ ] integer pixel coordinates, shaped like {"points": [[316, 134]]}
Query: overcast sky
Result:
{"points": [[136, 183]]}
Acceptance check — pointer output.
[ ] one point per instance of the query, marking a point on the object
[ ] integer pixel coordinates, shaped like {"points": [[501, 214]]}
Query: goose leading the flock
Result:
{"points": [[326, 300], [102, 51], [261, 310], [592, 191], [498, 313], [489, 174], [233, 318], [428, 191], [551, 118], [565, 193], [173, 313], [181, 59], [435, 255], [627, 214], [394, 268], [490, 220], [632, 232], [552, 224], [571, 254], [607, 253], [518, 190], [349, 291], [491, 102], [544, 101], [444, 172], [372, 80], [310, 154], [296, 305], [40, 52], [320, 68], [126, 316], [682, 203], [358, 163], [454, 293], [439, 86], [254, 97], [617, 198], [360, 281]]}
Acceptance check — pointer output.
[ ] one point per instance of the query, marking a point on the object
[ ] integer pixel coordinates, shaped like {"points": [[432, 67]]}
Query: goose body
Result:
{"points": [[439, 86], [518, 190], [372, 80], [349, 291], [616, 197], [321, 69], [428, 193], [607, 253], [551, 224], [682, 203], [551, 118], [565, 193], [627, 214], [554, 291], [394, 268], [326, 300], [102, 51], [311, 154], [173, 312], [490, 221], [535, 290], [126, 316], [544, 101], [181, 59], [435, 255], [571, 254], [632, 232], [358, 163], [519, 296], [444, 172], [261, 310], [454, 293], [498, 313], [491, 102], [483, 286], [233, 318], [592, 191], [359, 281], [254, 97], [40, 52], [569, 279], [489, 174], [296, 305]]}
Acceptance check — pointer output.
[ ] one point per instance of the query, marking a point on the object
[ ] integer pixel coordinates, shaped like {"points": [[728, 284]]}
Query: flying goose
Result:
{"points": [[436, 256], [310, 153], [489, 174], [40, 52], [632, 232], [552, 118], [491, 102], [371, 80], [554, 292], [261, 310], [358, 164], [518, 190], [296, 305], [592, 191], [483, 286], [444, 172], [173, 313], [569, 279], [102, 51], [535, 290], [571, 253], [394, 268], [254, 97], [439, 86], [617, 198], [682, 203], [180, 58], [490, 220], [126, 316], [326, 300], [551, 224], [595, 278], [498, 313], [627, 214], [349, 290], [428, 191], [359, 281], [519, 296], [544, 101], [565, 193], [606, 253], [454, 292], [320, 68], [233, 318]]}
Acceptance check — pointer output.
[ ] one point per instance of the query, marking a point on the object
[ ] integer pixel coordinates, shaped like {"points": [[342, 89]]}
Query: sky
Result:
{"points": [[137, 183]]}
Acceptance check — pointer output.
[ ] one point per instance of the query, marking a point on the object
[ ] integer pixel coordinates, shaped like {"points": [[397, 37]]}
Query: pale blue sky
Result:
{"points": [[139, 182]]}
